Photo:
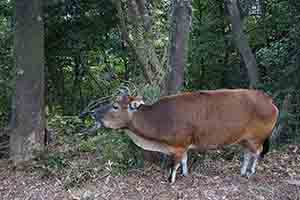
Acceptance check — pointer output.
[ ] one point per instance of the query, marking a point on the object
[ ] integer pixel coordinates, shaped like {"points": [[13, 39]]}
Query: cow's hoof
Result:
{"points": [[247, 174], [170, 178]]}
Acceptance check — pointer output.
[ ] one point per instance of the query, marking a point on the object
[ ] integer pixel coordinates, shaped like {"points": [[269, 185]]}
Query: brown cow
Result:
{"points": [[200, 120]]}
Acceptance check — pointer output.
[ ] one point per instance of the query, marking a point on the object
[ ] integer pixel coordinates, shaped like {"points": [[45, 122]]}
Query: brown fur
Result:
{"points": [[205, 119], [208, 119]]}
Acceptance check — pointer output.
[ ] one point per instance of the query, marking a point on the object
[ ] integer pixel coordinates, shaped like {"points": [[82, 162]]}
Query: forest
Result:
{"points": [[61, 59]]}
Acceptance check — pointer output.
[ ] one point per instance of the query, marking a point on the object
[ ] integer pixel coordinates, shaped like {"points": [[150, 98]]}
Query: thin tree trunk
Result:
{"points": [[241, 41], [181, 17], [180, 24], [28, 132], [285, 108]]}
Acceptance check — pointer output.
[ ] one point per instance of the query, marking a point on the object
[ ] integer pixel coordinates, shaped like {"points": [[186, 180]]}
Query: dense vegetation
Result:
{"points": [[87, 57]]}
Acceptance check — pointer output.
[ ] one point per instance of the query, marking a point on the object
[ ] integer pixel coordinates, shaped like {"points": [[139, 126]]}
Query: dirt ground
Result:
{"points": [[277, 178]]}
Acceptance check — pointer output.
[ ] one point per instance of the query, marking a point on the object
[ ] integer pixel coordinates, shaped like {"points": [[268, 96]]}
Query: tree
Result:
{"points": [[71, 44], [137, 30], [181, 17], [241, 41], [180, 24], [28, 127]]}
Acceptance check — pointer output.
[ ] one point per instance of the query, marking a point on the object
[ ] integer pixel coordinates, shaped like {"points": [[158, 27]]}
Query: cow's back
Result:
{"points": [[218, 106]]}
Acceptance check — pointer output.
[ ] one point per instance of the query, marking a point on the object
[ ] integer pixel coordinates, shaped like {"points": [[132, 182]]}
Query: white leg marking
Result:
{"points": [[184, 164], [173, 175], [245, 163], [253, 164]]}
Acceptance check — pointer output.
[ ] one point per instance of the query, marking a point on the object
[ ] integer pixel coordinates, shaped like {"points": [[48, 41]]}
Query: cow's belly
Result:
{"points": [[148, 144]]}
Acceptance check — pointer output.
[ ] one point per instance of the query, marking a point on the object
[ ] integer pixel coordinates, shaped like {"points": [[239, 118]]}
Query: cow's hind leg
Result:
{"points": [[251, 156], [249, 164]]}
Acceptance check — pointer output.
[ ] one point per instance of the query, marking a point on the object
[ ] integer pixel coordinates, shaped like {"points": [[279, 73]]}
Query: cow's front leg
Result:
{"points": [[177, 158], [172, 176]]}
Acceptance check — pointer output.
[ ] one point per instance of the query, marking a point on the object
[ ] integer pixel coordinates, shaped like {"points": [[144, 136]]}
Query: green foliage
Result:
{"points": [[67, 124], [118, 150], [213, 63], [81, 47], [55, 161], [108, 145], [151, 93], [88, 145], [275, 54], [108, 152], [65, 128]]}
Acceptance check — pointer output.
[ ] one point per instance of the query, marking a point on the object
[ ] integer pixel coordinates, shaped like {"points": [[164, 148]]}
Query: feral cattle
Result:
{"points": [[196, 120]]}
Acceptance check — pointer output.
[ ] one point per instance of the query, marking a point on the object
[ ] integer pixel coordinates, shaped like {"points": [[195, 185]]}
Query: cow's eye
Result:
{"points": [[115, 106]]}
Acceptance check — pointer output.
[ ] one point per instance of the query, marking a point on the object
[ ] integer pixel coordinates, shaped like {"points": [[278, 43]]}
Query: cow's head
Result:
{"points": [[119, 113]]}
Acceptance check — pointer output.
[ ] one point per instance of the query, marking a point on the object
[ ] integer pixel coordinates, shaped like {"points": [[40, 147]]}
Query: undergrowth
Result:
{"points": [[76, 158]]}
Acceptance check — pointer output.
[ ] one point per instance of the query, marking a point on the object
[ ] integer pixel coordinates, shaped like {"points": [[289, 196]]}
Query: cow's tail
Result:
{"points": [[266, 147]]}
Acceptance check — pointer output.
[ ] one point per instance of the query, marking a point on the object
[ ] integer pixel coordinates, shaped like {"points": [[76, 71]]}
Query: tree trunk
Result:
{"points": [[241, 41], [180, 24], [139, 37], [28, 132], [284, 110], [181, 17]]}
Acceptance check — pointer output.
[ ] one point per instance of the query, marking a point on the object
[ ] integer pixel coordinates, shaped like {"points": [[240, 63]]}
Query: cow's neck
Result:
{"points": [[138, 131], [140, 124]]}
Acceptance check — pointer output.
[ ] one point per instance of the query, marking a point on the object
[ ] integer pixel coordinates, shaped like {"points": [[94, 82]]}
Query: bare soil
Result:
{"points": [[277, 178]]}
